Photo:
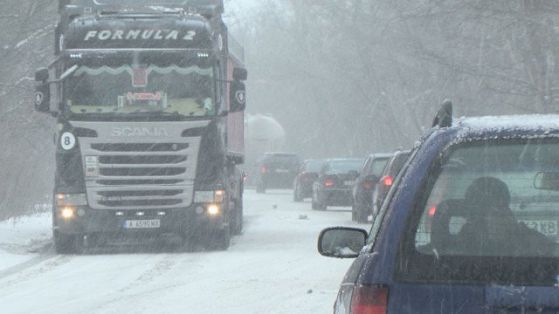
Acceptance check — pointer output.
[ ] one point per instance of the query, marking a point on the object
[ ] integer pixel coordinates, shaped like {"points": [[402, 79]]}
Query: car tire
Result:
{"points": [[297, 195], [66, 244], [317, 205], [361, 214], [260, 188]]}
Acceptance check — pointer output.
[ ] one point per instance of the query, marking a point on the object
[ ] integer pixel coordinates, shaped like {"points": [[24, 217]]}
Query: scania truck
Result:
{"points": [[149, 103]]}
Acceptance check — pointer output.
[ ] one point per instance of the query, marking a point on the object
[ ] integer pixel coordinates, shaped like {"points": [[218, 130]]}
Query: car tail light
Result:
{"points": [[387, 180], [369, 300], [329, 183], [263, 169], [432, 211]]}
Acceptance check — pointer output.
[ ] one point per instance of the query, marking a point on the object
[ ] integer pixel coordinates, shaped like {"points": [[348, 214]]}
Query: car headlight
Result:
{"points": [[209, 196], [71, 199]]}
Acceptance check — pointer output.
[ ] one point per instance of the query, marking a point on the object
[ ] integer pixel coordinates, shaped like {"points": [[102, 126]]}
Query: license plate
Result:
{"points": [[282, 170], [142, 224], [546, 227], [349, 183]]}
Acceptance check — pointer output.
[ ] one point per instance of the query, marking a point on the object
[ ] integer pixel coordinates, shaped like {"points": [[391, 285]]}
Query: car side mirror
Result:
{"points": [[341, 242], [238, 96], [240, 74]]}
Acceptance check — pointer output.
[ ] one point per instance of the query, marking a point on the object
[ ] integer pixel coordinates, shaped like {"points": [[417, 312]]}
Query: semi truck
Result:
{"points": [[149, 101]]}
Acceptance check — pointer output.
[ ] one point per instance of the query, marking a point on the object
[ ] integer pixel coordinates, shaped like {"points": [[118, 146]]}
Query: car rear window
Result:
{"points": [[343, 166], [490, 213], [378, 166], [286, 160], [313, 165]]}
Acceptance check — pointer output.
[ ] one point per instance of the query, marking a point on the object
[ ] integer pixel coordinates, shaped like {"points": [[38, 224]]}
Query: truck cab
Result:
{"points": [[149, 102]]}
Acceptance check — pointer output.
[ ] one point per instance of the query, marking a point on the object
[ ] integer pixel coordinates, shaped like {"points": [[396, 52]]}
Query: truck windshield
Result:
{"points": [[182, 91]]}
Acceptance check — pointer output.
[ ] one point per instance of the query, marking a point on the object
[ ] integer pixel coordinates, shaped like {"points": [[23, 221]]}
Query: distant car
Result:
{"points": [[471, 225], [362, 206], [334, 183], [308, 173], [277, 171], [389, 174]]}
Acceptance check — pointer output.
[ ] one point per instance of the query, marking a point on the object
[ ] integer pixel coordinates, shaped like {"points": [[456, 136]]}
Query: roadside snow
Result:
{"points": [[23, 238]]}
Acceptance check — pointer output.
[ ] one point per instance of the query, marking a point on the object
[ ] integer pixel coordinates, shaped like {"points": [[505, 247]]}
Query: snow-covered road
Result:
{"points": [[272, 268]]}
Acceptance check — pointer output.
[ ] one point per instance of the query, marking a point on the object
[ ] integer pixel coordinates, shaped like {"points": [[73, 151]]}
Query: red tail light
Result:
{"points": [[329, 183], [432, 211], [387, 180], [369, 300], [263, 169]]}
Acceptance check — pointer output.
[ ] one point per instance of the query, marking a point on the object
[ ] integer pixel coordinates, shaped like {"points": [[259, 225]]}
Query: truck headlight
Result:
{"points": [[71, 199], [68, 213], [209, 196], [214, 210]]}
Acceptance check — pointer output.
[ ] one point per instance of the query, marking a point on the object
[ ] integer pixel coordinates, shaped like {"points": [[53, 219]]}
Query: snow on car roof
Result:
{"points": [[531, 122]]}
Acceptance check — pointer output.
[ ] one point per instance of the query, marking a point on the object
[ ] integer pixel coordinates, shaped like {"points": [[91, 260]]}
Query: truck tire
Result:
{"points": [[220, 239], [237, 219], [66, 244]]}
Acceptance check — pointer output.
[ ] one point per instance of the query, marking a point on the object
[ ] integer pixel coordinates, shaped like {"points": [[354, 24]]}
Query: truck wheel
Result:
{"points": [[237, 225], [66, 244], [220, 239]]}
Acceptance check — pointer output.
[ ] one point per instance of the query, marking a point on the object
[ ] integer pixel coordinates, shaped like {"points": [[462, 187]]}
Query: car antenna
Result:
{"points": [[443, 118]]}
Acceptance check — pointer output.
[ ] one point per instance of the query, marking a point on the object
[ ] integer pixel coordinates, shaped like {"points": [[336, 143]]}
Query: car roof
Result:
{"points": [[344, 159], [510, 122], [381, 155]]}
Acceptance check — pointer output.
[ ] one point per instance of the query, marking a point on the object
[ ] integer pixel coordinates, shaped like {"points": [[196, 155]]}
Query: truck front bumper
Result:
{"points": [[182, 221]]}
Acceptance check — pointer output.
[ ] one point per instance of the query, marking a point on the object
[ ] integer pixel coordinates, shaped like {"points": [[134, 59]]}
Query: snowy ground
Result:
{"points": [[272, 268]]}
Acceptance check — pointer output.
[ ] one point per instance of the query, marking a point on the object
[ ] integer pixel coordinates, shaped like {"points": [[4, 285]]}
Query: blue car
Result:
{"points": [[470, 225]]}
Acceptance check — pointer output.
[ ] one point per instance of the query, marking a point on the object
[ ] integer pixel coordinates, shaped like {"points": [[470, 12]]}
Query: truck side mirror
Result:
{"points": [[42, 90], [42, 75], [42, 97], [240, 74], [238, 96]]}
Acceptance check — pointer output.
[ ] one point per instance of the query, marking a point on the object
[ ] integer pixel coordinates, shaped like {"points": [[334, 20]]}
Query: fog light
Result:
{"points": [[140, 214], [213, 210], [161, 213], [119, 213], [68, 212]]}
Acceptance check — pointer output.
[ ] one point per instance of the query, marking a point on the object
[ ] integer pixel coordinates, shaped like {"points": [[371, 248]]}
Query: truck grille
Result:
{"points": [[142, 175]]}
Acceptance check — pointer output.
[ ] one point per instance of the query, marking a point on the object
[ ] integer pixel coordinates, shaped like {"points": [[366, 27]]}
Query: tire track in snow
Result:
{"points": [[19, 274], [158, 269], [44, 250]]}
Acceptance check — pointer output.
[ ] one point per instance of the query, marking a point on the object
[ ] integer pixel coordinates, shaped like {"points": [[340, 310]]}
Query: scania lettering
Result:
{"points": [[149, 103]]}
